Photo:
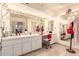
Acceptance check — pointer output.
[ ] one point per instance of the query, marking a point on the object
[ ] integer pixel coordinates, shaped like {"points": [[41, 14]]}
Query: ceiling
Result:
{"points": [[54, 9]]}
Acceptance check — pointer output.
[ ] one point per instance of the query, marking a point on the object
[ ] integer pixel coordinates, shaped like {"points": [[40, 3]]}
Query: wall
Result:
{"points": [[76, 28], [7, 22], [56, 30]]}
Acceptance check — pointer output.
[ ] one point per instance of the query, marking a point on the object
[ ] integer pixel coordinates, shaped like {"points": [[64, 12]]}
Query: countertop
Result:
{"points": [[21, 36]]}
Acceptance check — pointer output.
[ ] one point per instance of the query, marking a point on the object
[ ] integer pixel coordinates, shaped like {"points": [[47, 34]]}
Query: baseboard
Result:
{"points": [[29, 52]]}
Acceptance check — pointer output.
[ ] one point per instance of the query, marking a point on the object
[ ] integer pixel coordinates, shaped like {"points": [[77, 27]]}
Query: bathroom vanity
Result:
{"points": [[19, 45]]}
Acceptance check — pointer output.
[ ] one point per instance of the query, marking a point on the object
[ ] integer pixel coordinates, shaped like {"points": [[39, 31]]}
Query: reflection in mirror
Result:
{"points": [[63, 32], [19, 26], [50, 25]]}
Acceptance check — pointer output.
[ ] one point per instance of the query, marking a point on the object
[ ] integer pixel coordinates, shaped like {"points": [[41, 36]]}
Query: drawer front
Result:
{"points": [[39, 43]]}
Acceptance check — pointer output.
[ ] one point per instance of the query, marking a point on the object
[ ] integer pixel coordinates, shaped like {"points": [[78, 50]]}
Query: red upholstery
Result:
{"points": [[49, 36]]}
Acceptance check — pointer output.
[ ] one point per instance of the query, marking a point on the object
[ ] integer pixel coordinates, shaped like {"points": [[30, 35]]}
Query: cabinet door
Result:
{"points": [[0, 53], [7, 51], [17, 46], [39, 42], [36, 43], [17, 49], [26, 45]]}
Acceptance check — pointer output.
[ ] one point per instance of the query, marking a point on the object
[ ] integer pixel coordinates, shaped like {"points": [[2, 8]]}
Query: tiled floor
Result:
{"points": [[56, 50]]}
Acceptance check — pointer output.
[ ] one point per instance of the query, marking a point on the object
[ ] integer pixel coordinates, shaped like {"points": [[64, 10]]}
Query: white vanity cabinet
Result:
{"points": [[18, 45], [36, 42], [26, 45]]}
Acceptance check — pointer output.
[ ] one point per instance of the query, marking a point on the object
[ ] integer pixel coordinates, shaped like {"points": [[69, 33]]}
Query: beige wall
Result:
{"points": [[6, 25]]}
